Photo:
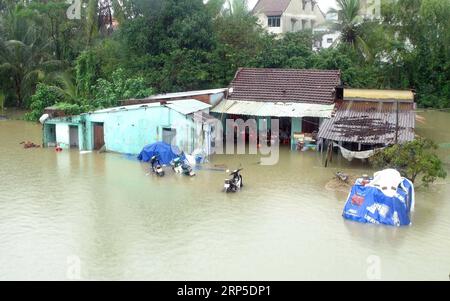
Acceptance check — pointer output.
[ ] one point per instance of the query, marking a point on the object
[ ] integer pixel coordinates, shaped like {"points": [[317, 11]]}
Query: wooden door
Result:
{"points": [[99, 138], [73, 136]]}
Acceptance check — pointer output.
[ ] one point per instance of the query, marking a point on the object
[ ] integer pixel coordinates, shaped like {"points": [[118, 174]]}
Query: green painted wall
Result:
{"points": [[296, 126]]}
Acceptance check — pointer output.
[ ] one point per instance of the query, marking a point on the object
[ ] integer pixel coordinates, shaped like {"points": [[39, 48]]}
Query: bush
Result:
{"points": [[108, 93], [45, 96], [411, 160], [71, 108]]}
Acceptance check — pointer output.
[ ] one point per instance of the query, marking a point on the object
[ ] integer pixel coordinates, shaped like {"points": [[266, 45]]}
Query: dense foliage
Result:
{"points": [[132, 48], [412, 159]]}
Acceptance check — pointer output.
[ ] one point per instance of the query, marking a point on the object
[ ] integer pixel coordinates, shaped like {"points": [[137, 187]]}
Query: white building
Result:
{"points": [[281, 16], [329, 39]]}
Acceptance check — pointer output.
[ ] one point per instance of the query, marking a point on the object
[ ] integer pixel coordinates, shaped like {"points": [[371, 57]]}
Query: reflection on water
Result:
{"points": [[124, 224]]}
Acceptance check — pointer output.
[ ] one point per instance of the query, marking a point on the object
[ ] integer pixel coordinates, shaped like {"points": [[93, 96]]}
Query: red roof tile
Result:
{"points": [[271, 7], [285, 85]]}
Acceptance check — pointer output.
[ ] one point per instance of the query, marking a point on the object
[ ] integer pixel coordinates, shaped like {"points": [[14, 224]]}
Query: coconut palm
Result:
{"points": [[349, 24], [25, 62], [228, 8]]}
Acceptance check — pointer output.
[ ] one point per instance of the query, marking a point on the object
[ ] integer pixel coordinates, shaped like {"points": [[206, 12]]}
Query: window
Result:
{"points": [[303, 4], [274, 21], [330, 40], [304, 24]]}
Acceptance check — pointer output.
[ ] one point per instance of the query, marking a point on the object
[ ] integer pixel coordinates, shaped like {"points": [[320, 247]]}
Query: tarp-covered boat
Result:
{"points": [[387, 199], [165, 152]]}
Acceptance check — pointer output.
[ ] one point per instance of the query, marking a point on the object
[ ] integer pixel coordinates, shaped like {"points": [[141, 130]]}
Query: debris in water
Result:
{"points": [[29, 144], [337, 183]]}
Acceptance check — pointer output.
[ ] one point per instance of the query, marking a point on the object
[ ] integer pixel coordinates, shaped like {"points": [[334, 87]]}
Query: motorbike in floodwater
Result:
{"points": [[235, 183], [156, 166], [182, 167]]}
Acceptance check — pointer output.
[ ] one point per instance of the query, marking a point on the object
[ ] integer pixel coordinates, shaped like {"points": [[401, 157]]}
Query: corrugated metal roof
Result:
{"points": [[130, 107], [369, 122], [275, 109], [172, 96], [183, 106], [186, 94], [374, 94], [187, 106], [285, 85]]}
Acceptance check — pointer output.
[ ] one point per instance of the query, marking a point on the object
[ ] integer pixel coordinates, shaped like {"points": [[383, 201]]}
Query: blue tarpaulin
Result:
{"points": [[369, 204], [165, 152]]}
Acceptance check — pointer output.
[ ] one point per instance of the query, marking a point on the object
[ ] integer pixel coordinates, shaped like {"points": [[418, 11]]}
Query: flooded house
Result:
{"points": [[128, 128], [369, 119], [300, 99]]}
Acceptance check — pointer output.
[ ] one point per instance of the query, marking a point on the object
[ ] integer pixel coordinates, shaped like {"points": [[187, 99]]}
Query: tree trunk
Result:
{"points": [[18, 93]]}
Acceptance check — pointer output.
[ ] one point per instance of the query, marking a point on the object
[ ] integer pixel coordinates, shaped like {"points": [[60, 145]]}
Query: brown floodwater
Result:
{"points": [[104, 217]]}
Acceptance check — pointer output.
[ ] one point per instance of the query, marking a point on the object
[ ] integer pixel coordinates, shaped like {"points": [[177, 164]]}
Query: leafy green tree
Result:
{"points": [[108, 93], [350, 24], [45, 96], [294, 50], [412, 159], [26, 64], [422, 29], [238, 40], [24, 55], [171, 44]]}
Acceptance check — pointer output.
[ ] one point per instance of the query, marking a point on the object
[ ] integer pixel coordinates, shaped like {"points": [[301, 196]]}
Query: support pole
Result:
{"points": [[396, 122]]}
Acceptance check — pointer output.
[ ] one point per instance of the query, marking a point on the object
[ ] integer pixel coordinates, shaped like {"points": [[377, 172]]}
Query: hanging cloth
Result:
{"points": [[350, 155]]}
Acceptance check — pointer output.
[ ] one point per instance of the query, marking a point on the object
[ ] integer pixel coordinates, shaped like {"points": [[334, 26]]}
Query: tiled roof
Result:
{"points": [[285, 85], [370, 122], [271, 7]]}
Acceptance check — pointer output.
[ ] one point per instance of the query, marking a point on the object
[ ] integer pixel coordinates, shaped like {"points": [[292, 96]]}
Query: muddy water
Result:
{"points": [[100, 216]]}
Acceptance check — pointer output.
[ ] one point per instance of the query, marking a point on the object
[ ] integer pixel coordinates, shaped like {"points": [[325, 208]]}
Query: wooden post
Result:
{"points": [[396, 122], [329, 153]]}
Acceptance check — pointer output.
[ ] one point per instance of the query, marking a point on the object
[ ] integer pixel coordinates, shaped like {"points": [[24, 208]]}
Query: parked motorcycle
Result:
{"points": [[156, 166], [235, 183], [182, 167], [176, 165]]}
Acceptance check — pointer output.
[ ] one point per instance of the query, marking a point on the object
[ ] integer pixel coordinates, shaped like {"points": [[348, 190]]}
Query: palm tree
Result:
{"points": [[349, 24], [228, 8], [237, 8], [24, 56]]}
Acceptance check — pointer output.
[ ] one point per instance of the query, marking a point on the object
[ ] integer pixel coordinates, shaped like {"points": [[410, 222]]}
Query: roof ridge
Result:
{"points": [[290, 69]]}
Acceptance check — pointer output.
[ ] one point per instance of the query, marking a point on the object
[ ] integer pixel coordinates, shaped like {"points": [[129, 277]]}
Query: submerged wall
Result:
{"points": [[57, 130], [126, 131]]}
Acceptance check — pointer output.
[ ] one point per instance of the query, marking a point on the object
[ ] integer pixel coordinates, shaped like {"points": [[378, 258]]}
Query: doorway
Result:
{"points": [[285, 130], [168, 135], [99, 136], [73, 136], [310, 124], [50, 135]]}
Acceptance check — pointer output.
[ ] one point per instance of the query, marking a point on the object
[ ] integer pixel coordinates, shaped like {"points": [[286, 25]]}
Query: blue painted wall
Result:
{"points": [[129, 131]]}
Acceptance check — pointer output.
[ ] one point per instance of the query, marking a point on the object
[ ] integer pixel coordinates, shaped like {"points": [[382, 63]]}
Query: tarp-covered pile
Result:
{"points": [[386, 199], [165, 152]]}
